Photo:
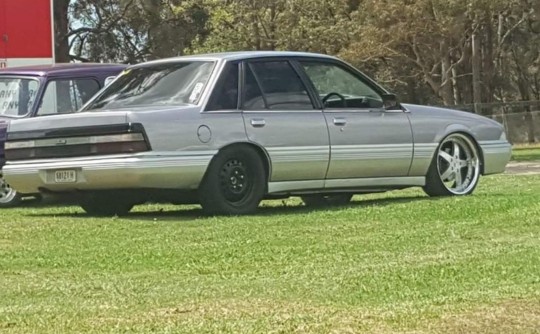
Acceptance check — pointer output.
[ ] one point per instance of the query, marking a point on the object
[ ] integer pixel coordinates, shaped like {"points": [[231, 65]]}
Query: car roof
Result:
{"points": [[237, 55], [62, 69]]}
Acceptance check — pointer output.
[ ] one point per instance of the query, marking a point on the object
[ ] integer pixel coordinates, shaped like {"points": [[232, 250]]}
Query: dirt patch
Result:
{"points": [[515, 316], [523, 168]]}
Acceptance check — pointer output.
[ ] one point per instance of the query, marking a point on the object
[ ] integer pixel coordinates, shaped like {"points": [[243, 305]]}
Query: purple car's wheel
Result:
{"points": [[8, 196], [235, 182], [455, 169]]}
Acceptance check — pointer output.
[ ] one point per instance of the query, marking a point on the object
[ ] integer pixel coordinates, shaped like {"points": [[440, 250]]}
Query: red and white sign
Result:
{"points": [[26, 32]]}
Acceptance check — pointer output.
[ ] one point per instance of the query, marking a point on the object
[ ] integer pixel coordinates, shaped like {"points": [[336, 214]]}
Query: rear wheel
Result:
{"points": [[235, 182], [455, 169], [9, 197], [106, 204], [319, 200]]}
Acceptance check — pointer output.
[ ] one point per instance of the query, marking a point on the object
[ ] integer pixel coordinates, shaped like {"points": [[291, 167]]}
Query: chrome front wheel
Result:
{"points": [[455, 169]]}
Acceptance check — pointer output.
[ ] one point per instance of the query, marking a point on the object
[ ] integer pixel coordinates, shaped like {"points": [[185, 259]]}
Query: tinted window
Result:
{"points": [[330, 78], [67, 96], [225, 94], [162, 84], [253, 97], [282, 87]]}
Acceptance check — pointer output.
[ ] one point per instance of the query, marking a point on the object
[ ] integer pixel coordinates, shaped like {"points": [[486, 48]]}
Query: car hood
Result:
{"points": [[438, 112]]}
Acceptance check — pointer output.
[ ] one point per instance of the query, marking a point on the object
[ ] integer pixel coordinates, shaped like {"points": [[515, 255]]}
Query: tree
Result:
{"points": [[126, 30]]}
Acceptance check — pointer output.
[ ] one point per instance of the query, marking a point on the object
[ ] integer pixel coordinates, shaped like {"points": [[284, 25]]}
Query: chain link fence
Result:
{"points": [[521, 119]]}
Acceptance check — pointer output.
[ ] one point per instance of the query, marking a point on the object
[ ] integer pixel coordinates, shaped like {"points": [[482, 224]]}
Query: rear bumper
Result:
{"points": [[143, 170], [496, 154]]}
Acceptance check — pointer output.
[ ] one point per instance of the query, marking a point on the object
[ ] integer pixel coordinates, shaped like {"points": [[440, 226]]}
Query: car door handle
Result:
{"points": [[258, 122], [340, 121]]}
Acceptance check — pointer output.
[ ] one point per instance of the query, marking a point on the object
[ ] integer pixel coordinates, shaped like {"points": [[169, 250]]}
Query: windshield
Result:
{"points": [[17, 96], [168, 84]]}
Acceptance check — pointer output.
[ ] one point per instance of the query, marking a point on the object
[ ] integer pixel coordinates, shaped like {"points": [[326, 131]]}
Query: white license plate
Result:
{"points": [[65, 176]]}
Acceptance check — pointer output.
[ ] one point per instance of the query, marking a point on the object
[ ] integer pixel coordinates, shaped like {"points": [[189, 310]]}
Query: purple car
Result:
{"points": [[38, 91]]}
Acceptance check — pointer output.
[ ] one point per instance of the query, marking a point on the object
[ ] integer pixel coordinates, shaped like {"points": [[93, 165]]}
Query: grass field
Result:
{"points": [[395, 262], [526, 153]]}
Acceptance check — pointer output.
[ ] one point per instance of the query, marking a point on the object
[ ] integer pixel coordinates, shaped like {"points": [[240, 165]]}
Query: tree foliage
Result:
{"points": [[428, 51]]}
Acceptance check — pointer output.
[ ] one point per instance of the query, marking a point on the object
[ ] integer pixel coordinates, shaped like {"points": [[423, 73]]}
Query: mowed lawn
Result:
{"points": [[526, 153], [394, 262]]}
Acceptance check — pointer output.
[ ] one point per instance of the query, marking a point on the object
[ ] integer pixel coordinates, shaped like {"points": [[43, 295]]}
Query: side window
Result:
{"points": [[225, 94], [253, 96], [281, 87], [66, 96], [339, 88]]}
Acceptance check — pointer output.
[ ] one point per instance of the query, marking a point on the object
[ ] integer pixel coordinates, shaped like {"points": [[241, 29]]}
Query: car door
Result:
{"points": [[366, 141], [279, 115]]}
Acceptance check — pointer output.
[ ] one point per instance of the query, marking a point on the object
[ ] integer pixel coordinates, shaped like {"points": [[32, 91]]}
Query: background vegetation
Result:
{"points": [[476, 55], [429, 51]]}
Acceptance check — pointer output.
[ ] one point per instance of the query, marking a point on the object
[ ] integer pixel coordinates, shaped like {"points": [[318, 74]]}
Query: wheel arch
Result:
{"points": [[263, 155]]}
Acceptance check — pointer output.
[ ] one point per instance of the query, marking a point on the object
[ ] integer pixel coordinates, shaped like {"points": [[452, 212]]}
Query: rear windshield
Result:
{"points": [[17, 96], [172, 84]]}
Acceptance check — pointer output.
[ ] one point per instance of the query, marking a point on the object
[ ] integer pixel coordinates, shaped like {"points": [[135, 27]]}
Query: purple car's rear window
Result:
{"points": [[166, 84], [17, 96]]}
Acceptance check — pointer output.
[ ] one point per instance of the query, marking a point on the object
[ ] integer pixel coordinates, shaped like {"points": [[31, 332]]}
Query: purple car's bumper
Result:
{"points": [[3, 137]]}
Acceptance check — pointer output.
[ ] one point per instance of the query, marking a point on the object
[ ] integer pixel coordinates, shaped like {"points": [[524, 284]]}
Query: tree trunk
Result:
{"points": [[447, 93], [61, 29], [476, 72]]}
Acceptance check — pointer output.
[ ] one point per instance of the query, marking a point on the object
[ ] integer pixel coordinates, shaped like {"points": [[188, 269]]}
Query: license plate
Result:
{"points": [[65, 176]]}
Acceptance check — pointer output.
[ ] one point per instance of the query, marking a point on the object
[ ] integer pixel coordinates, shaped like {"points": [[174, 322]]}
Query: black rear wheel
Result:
{"points": [[235, 182]]}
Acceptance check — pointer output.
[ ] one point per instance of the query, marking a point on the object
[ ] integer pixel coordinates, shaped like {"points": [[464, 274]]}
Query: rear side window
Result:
{"points": [[225, 94], [17, 96], [67, 96], [277, 85]]}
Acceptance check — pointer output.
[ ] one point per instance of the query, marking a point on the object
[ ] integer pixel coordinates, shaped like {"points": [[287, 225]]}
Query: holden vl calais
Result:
{"points": [[228, 130]]}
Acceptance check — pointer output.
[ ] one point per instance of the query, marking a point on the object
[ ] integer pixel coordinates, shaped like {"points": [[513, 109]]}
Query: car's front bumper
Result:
{"points": [[142, 170], [496, 155]]}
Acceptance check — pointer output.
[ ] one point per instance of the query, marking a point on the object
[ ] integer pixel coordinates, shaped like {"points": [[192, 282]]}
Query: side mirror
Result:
{"points": [[390, 102], [108, 80]]}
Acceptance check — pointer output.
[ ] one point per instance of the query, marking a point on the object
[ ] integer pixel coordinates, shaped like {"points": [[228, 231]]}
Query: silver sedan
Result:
{"points": [[228, 130]]}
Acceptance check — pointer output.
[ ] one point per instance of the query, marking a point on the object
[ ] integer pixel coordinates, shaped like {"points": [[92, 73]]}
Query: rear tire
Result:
{"points": [[235, 182], [319, 200], [9, 197], [106, 204]]}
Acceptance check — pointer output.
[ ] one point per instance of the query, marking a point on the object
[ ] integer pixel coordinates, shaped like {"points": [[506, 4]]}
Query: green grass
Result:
{"points": [[526, 153], [387, 263]]}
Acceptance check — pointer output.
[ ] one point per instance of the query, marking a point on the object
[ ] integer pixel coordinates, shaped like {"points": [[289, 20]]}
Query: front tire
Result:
{"points": [[235, 182], [455, 169]]}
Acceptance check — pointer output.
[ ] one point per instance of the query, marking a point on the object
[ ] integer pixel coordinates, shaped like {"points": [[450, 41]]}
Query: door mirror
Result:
{"points": [[108, 80], [390, 102]]}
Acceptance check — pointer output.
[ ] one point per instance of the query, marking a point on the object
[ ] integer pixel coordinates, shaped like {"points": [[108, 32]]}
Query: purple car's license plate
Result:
{"points": [[65, 176]]}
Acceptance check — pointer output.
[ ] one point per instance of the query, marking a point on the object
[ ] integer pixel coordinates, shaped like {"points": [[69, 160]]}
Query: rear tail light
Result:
{"points": [[99, 144]]}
